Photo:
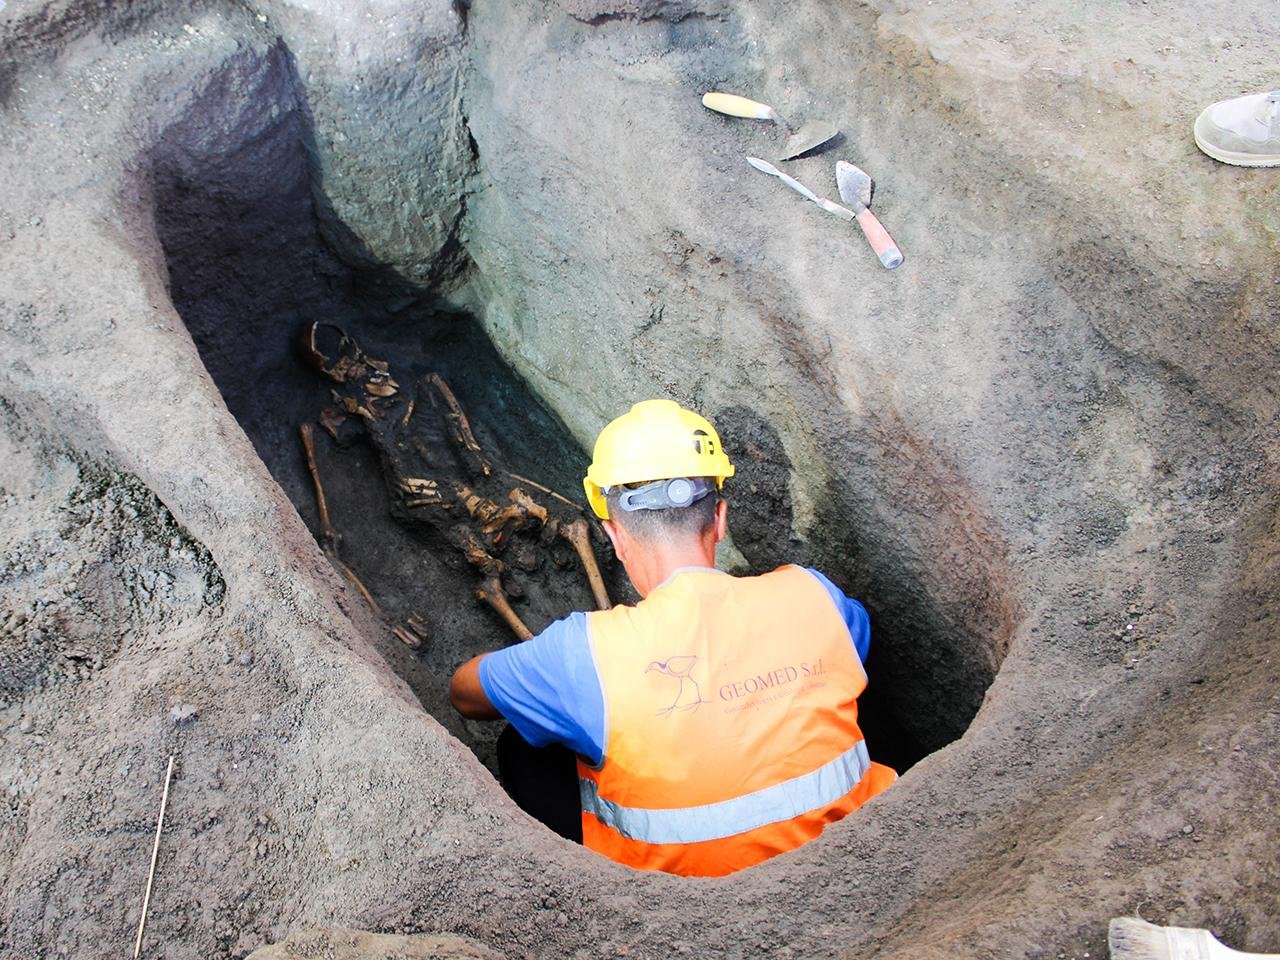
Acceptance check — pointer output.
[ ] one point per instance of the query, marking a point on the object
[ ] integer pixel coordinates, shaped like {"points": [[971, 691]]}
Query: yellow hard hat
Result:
{"points": [[654, 440]]}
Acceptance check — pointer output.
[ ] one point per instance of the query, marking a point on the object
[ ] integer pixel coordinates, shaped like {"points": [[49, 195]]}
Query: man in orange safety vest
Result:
{"points": [[714, 724]]}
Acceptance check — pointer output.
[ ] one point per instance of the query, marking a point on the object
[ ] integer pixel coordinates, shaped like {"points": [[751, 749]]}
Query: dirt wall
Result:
{"points": [[1042, 452]]}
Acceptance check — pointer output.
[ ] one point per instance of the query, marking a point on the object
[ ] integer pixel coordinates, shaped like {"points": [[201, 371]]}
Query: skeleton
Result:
{"points": [[439, 477]]}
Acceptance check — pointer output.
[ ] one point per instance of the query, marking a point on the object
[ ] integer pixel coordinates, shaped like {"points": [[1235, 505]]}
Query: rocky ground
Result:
{"points": [[1042, 452]]}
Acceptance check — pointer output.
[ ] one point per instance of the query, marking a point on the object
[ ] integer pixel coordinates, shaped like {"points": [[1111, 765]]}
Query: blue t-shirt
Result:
{"points": [[549, 690]]}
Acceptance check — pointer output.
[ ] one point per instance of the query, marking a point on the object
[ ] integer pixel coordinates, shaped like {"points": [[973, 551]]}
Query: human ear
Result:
{"points": [[618, 537], [722, 520]]}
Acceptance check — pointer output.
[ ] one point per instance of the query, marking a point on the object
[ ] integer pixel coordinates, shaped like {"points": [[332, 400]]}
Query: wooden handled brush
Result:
{"points": [[810, 136], [1132, 938], [733, 105]]}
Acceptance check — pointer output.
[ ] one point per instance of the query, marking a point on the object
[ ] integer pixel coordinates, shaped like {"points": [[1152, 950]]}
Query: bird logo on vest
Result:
{"points": [[688, 694]]}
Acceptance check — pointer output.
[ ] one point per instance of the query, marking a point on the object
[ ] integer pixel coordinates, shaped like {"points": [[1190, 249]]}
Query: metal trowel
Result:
{"points": [[855, 190], [764, 166], [881, 242], [809, 136]]}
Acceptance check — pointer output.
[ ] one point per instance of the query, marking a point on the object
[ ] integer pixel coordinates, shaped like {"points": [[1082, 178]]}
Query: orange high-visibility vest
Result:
{"points": [[731, 723]]}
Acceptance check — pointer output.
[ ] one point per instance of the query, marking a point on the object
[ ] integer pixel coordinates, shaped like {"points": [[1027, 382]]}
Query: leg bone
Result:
{"points": [[579, 538], [491, 593], [328, 535]]}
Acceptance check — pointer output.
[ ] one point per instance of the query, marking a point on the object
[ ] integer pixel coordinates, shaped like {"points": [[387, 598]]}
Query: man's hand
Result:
{"points": [[467, 695]]}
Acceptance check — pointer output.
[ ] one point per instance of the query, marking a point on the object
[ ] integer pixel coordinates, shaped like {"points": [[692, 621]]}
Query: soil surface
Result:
{"points": [[361, 945], [1042, 452]]}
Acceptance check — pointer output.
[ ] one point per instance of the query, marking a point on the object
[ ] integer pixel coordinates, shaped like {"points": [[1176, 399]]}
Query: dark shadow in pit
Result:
{"points": [[236, 213], [931, 662]]}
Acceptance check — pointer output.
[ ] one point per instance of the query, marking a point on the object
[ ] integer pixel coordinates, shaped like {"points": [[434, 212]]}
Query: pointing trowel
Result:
{"points": [[855, 190], [880, 240]]}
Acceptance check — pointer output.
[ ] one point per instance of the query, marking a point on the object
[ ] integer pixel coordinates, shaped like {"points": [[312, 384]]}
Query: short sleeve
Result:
{"points": [[548, 688], [854, 614]]}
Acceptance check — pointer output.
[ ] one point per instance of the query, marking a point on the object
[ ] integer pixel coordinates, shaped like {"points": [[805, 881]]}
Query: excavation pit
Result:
{"points": [[1042, 452], [251, 267]]}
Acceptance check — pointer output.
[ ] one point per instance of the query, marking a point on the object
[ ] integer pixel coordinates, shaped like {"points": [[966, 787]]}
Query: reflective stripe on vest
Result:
{"points": [[715, 821]]}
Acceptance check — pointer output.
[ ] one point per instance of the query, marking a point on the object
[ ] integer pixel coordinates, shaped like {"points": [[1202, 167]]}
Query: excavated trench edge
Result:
{"points": [[221, 205]]}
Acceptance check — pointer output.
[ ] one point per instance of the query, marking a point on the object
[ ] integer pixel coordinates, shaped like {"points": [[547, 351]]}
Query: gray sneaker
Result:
{"points": [[1244, 131]]}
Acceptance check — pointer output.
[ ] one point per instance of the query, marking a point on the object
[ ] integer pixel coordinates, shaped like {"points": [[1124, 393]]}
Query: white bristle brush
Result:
{"points": [[1131, 938]]}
